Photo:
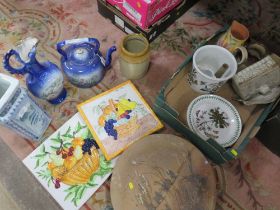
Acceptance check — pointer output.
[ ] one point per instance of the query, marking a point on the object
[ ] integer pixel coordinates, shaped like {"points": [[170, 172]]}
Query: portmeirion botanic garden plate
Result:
{"points": [[211, 116], [69, 164]]}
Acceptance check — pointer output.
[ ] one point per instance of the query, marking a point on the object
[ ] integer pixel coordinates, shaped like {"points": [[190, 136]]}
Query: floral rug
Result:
{"points": [[250, 182]]}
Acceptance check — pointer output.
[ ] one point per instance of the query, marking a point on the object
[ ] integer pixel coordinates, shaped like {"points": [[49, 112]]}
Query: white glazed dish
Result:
{"points": [[211, 116]]}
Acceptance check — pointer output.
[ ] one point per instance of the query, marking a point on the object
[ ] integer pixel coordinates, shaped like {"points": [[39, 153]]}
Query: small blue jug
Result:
{"points": [[82, 62], [44, 80]]}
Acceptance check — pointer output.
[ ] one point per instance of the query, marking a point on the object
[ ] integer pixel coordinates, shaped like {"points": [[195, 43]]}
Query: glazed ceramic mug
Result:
{"points": [[234, 37], [212, 67], [134, 56]]}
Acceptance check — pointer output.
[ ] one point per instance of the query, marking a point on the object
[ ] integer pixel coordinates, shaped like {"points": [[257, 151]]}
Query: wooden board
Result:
{"points": [[161, 172]]}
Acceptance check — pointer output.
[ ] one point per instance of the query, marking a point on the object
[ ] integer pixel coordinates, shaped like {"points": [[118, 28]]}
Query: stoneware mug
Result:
{"points": [[207, 62], [234, 37], [134, 56]]}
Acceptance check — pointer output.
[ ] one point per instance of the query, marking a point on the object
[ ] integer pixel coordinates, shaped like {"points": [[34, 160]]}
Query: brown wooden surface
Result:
{"points": [[161, 172]]}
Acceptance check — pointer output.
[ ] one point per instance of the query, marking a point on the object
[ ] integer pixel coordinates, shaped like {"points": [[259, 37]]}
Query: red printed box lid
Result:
{"points": [[144, 12]]}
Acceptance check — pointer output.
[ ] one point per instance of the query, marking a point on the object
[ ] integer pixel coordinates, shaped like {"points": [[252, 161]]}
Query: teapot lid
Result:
{"points": [[81, 54]]}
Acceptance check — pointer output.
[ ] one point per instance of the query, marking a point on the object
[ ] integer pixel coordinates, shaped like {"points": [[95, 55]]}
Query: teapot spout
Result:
{"points": [[109, 56]]}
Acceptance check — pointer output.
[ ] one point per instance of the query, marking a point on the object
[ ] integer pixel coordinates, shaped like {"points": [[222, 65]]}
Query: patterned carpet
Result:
{"points": [[250, 182]]}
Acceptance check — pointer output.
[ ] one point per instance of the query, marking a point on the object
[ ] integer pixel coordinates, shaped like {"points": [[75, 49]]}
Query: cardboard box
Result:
{"points": [[144, 13], [172, 103], [126, 25]]}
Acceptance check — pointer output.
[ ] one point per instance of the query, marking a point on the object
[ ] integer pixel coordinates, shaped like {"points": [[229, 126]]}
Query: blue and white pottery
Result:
{"points": [[44, 80], [82, 62], [19, 112]]}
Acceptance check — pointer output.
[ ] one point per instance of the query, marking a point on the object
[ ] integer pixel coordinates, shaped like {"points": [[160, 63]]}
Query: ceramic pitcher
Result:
{"points": [[44, 80]]}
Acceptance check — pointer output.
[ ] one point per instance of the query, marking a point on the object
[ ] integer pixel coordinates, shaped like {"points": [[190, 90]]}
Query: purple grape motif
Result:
{"points": [[88, 143], [109, 128]]}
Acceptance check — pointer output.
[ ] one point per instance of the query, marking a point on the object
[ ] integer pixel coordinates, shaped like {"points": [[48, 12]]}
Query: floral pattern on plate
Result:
{"points": [[210, 121], [211, 116]]}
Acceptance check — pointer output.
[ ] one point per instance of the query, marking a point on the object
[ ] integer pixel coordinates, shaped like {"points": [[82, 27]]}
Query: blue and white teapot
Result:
{"points": [[82, 62]]}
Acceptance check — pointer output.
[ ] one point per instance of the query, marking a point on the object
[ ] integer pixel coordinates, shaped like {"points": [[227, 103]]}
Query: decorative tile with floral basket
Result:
{"points": [[118, 117], [69, 164]]}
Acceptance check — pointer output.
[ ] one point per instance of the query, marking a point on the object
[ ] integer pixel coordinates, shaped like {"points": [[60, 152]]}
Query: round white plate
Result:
{"points": [[211, 116]]}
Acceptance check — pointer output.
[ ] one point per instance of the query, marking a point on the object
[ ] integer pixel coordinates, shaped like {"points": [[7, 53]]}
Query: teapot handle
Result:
{"points": [[7, 66], [61, 44]]}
